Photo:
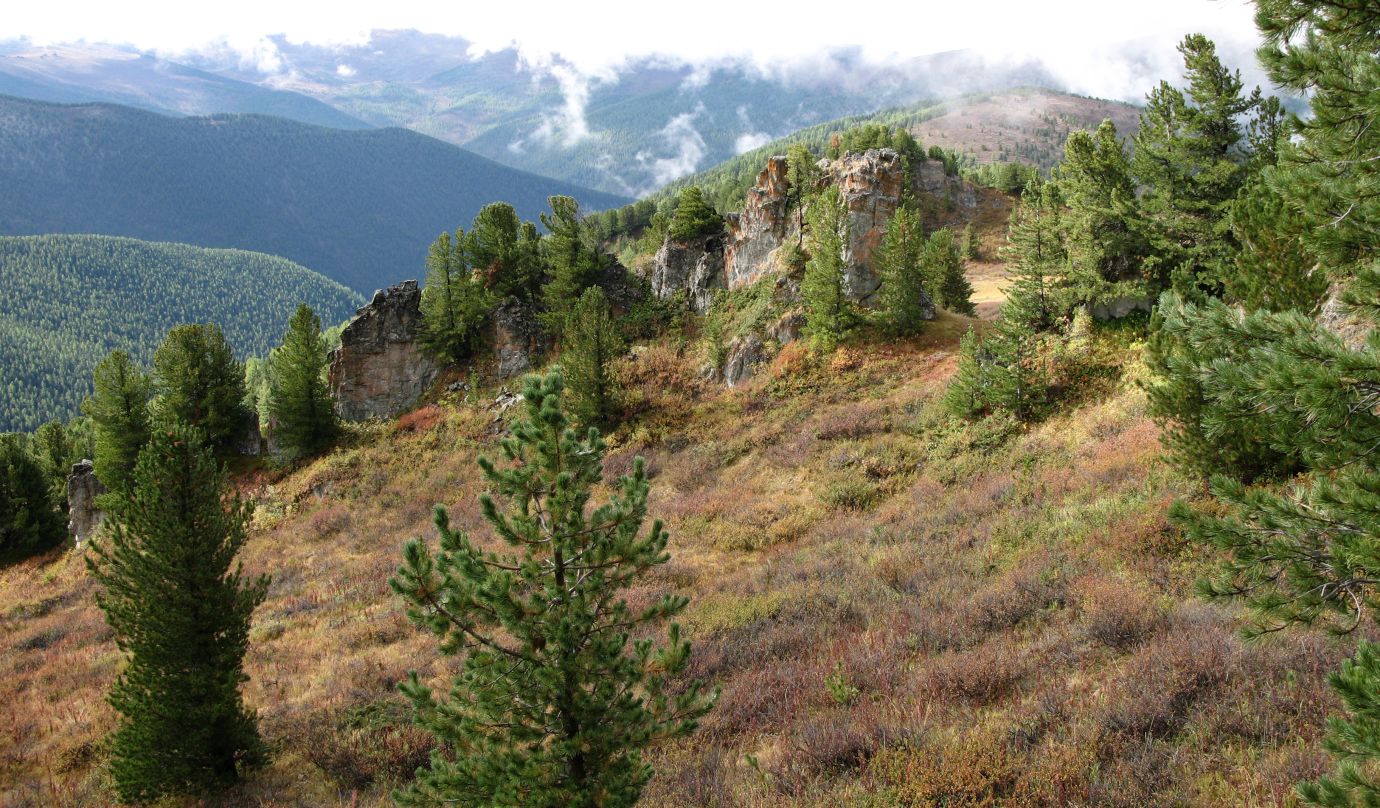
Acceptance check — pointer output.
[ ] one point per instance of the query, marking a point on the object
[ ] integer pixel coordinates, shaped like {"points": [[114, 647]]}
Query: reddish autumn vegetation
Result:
{"points": [[901, 609]]}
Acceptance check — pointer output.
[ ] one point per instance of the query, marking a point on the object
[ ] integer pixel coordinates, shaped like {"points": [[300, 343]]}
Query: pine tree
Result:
{"points": [[572, 258], [199, 382], [694, 217], [966, 395], [180, 607], [1306, 552], [298, 399], [802, 175], [592, 343], [1102, 232], [1191, 158], [972, 248], [119, 411], [943, 265], [1354, 740], [904, 300], [1272, 270], [29, 519], [55, 451], [494, 248], [1037, 261], [553, 706], [828, 311], [455, 303]]}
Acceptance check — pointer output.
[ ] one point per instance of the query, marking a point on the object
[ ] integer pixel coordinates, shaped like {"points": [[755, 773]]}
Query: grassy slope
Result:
{"points": [[900, 611]]}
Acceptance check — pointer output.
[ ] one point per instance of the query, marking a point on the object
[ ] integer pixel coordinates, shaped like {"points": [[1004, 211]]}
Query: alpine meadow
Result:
{"points": [[552, 408]]}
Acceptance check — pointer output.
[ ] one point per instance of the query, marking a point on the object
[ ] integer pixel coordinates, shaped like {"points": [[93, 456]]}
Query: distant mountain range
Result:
{"points": [[626, 134], [71, 299], [358, 206], [77, 74]]}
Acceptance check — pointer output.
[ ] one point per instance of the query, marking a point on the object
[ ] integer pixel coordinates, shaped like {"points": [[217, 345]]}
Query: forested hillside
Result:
{"points": [[357, 206], [70, 300]]}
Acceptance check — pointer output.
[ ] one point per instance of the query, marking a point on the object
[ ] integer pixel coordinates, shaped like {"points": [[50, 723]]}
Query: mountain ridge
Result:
{"points": [[359, 206]]}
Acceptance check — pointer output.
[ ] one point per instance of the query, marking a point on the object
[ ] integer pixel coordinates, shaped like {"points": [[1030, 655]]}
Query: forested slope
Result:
{"points": [[70, 300], [357, 206]]}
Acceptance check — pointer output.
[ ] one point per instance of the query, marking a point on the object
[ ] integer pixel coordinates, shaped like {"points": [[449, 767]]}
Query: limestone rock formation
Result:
{"points": [[871, 184], [755, 235], [695, 266], [380, 370], [82, 489]]}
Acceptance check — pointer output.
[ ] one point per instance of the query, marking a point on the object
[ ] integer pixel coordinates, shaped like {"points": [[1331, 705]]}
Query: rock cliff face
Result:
{"points": [[755, 234], [695, 266], [871, 184], [380, 370], [82, 489]]}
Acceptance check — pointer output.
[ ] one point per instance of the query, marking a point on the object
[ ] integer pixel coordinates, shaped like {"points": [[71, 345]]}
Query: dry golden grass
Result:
{"points": [[900, 611]]}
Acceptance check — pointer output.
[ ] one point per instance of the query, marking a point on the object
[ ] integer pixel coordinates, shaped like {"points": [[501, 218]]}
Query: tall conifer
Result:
{"points": [[554, 704], [180, 608]]}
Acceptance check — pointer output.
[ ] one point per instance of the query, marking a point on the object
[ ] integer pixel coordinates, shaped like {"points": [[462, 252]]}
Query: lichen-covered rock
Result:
{"points": [[695, 267], [380, 369], [517, 338], [744, 355], [755, 235], [1118, 307], [871, 184], [1334, 316], [787, 328], [82, 489]]}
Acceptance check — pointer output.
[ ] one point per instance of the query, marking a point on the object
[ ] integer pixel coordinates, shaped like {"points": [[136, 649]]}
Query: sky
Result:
{"points": [[1108, 48]]}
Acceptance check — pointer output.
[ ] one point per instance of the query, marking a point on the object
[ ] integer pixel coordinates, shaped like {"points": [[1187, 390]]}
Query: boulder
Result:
{"points": [[380, 369], [695, 266], [517, 338], [744, 354], [1118, 307], [82, 489]]}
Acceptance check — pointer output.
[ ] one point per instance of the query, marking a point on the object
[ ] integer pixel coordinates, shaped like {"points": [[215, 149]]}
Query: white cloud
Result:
{"points": [[1084, 43], [748, 141], [345, 71], [687, 148], [598, 40]]}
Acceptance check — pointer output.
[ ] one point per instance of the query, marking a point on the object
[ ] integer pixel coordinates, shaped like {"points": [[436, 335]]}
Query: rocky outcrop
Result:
{"points": [[380, 369], [871, 184], [755, 235], [82, 489], [517, 338], [695, 267]]}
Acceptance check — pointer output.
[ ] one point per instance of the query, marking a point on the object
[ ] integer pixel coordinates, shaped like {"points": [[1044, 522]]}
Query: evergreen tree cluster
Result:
{"points": [[1249, 227], [1113, 230]]}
